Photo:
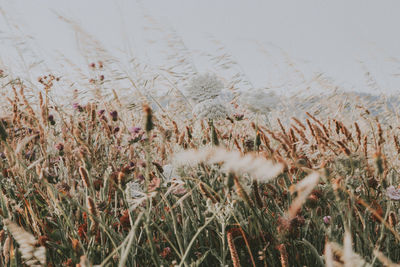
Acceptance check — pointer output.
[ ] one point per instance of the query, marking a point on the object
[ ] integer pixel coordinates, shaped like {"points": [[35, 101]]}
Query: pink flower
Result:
{"points": [[327, 219], [134, 130]]}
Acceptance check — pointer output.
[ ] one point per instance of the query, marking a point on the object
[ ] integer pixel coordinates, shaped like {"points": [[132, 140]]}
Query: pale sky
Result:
{"points": [[342, 39]]}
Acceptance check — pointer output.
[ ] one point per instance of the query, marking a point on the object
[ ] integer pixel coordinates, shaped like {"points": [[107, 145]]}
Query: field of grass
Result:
{"points": [[100, 183], [146, 165]]}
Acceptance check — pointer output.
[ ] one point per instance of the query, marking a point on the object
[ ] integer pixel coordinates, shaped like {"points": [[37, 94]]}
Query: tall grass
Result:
{"points": [[115, 178]]}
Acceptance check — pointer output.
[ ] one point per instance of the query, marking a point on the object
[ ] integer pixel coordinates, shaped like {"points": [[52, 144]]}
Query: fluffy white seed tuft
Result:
{"points": [[257, 167], [210, 109], [33, 256], [204, 87]]}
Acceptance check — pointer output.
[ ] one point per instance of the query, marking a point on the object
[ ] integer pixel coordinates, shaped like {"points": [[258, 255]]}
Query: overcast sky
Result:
{"points": [[341, 38]]}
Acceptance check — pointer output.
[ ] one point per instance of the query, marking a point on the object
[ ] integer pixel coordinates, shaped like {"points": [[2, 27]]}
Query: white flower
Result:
{"points": [[393, 193], [133, 190], [204, 87], [259, 100], [173, 180], [169, 172], [210, 109]]}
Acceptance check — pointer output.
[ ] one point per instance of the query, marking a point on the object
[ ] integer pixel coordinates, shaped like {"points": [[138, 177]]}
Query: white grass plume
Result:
{"points": [[384, 260], [329, 262], [304, 188], [33, 256], [346, 253], [257, 167]]}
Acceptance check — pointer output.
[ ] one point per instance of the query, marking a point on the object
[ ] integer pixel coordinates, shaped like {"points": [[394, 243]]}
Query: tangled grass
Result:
{"points": [[99, 184]]}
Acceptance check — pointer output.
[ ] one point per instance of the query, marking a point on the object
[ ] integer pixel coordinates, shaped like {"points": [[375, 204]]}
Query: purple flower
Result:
{"points": [[393, 193], [60, 147], [134, 130], [51, 119], [238, 116], [101, 112], [327, 219], [2, 155], [140, 177], [77, 106], [116, 130], [114, 115]]}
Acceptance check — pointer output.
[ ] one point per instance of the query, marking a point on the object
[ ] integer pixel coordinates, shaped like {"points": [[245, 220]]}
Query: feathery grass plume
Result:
{"points": [[258, 167], [208, 194], [392, 220], [386, 262], [93, 212], [6, 250], [281, 126], [84, 262], [214, 135], [358, 131], [350, 258], [328, 255], [396, 143], [292, 136], [246, 241], [299, 123], [304, 189], [365, 145], [301, 133], [236, 143], [319, 123], [232, 248], [379, 161], [3, 132], [84, 176], [381, 140], [204, 87], [241, 192], [343, 147], [181, 138], [121, 178], [283, 255], [257, 194], [33, 255], [148, 118], [265, 140], [176, 129], [311, 128]]}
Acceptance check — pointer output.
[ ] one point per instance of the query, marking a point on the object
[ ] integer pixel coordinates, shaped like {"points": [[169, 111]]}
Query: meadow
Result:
{"points": [[163, 166]]}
